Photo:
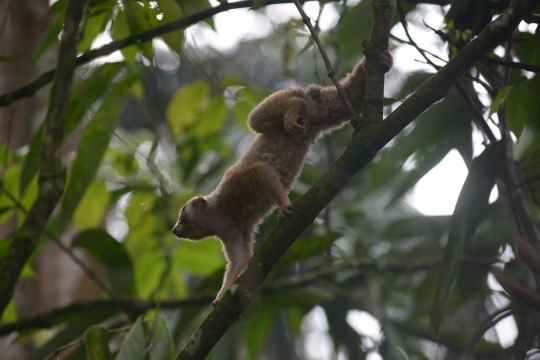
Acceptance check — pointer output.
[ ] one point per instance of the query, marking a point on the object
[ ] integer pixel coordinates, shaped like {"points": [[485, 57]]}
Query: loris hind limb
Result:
{"points": [[286, 124]]}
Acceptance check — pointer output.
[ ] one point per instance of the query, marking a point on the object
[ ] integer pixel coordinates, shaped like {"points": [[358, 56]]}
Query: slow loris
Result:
{"points": [[286, 123]]}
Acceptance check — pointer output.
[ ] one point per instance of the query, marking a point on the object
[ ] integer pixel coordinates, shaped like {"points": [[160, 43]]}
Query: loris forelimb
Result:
{"points": [[286, 123]]}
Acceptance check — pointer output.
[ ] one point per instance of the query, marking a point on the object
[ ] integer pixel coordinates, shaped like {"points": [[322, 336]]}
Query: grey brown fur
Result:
{"points": [[286, 124]]}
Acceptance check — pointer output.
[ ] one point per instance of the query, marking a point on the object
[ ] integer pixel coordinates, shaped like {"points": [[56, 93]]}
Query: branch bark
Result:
{"points": [[366, 142], [52, 173]]}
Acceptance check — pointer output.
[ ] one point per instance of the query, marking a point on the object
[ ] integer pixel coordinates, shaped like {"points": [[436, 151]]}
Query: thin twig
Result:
{"points": [[330, 71], [479, 117], [136, 306], [512, 64]]}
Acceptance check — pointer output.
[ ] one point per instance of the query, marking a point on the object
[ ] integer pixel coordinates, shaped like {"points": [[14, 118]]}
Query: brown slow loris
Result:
{"points": [[286, 123]]}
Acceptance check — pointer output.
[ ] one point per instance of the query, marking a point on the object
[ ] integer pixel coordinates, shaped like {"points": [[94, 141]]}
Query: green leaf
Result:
{"points": [[472, 201], [75, 326], [185, 104], [537, 36], [92, 207], [83, 95], [94, 26], [161, 347], [120, 30], [133, 345], [390, 101], [533, 88], [97, 344], [241, 112], [200, 258], [50, 37], [93, 145], [354, 26], [31, 162], [517, 108], [10, 313], [501, 96], [257, 4], [308, 246], [87, 92], [256, 329], [139, 20], [171, 11], [212, 119], [111, 257]]}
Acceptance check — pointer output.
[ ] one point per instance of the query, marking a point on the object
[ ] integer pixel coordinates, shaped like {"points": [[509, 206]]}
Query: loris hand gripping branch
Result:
{"points": [[286, 123]]}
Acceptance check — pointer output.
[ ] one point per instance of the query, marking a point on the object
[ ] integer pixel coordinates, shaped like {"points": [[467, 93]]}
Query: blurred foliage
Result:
{"points": [[150, 136]]}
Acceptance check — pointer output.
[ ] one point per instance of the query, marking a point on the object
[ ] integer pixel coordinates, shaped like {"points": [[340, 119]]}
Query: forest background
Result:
{"points": [[155, 119]]}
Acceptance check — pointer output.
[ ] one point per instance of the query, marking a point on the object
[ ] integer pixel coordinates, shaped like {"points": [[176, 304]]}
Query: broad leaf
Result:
{"points": [[501, 96], [50, 37], [533, 87], [171, 11], [139, 19], [134, 343], [201, 258], [517, 111], [212, 119], [472, 201], [93, 145], [185, 104], [241, 111], [94, 26], [97, 344], [161, 347], [111, 258], [308, 246], [120, 30], [92, 207]]}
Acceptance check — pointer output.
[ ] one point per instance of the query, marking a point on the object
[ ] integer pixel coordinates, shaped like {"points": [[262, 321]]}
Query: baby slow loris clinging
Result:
{"points": [[285, 123]]}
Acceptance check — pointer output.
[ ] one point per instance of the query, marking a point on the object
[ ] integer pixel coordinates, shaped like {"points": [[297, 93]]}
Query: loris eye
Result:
{"points": [[181, 217]]}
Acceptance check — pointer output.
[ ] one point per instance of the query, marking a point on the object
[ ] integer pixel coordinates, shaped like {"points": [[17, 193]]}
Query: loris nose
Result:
{"points": [[176, 231]]}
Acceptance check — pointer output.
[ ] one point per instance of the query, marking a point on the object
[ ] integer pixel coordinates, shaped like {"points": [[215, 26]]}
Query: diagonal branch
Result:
{"points": [[52, 173], [366, 142]]}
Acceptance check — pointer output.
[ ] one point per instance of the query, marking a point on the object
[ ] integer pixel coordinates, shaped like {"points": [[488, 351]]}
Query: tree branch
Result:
{"points": [[512, 64], [52, 174], [518, 292], [57, 316], [366, 142]]}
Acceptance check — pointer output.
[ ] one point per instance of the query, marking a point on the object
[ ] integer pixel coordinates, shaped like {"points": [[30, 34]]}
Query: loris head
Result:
{"points": [[193, 220]]}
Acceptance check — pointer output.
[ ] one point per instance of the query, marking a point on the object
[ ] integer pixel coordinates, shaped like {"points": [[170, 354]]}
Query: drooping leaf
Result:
{"points": [[139, 19], [133, 345], [97, 343], [87, 92], [92, 207], [93, 145], [353, 26], [49, 37], [83, 95], [501, 96], [533, 88], [161, 347], [111, 258], [31, 162], [517, 112], [185, 104], [171, 11], [212, 118], [472, 201], [94, 26], [120, 30]]}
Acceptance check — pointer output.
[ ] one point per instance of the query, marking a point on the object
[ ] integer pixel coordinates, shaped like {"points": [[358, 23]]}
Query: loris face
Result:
{"points": [[191, 219]]}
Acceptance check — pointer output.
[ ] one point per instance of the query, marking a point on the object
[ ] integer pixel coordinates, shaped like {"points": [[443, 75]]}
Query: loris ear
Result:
{"points": [[200, 200]]}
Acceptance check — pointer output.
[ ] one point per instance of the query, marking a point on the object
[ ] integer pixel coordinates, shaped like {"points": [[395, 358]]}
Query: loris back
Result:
{"points": [[286, 124]]}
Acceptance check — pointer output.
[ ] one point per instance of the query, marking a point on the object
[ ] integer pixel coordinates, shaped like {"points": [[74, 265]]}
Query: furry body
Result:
{"points": [[286, 123]]}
